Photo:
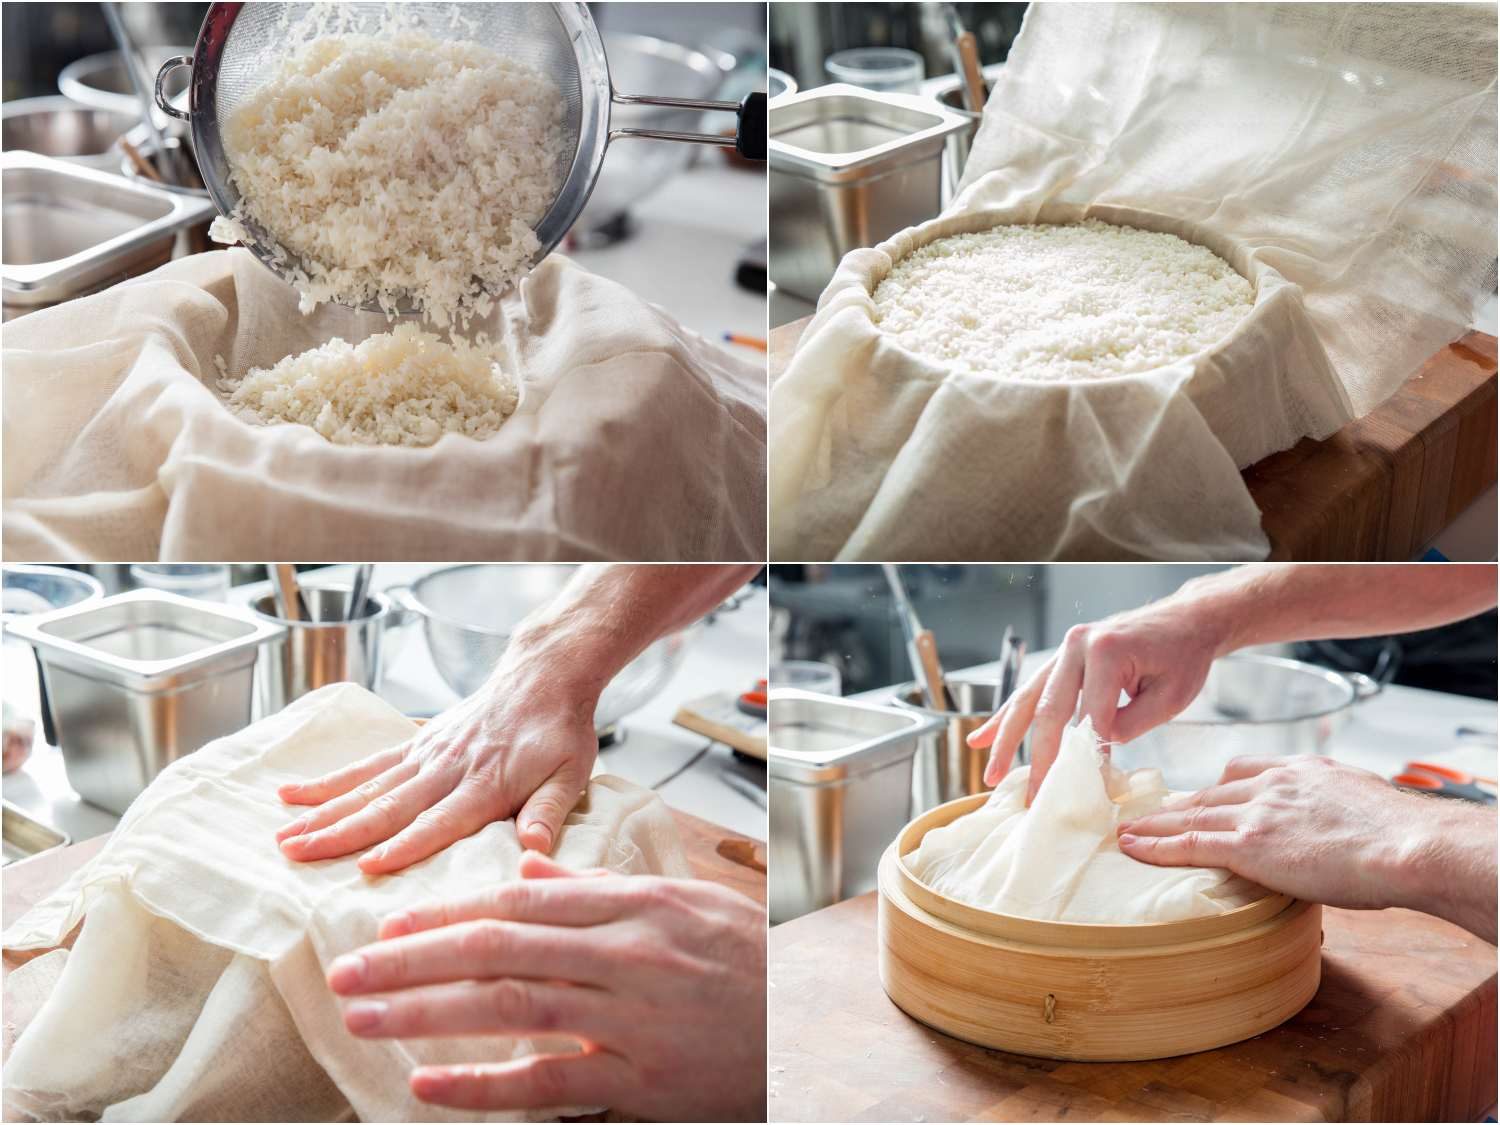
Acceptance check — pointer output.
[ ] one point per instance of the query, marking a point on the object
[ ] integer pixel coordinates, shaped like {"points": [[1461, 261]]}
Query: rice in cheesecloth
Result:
{"points": [[1047, 302], [397, 166], [403, 387]]}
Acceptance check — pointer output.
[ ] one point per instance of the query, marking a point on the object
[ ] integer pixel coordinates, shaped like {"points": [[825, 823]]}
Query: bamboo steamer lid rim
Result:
{"points": [[1034, 931]]}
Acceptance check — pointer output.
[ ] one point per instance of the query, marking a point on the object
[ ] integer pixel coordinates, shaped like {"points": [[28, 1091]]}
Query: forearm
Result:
{"points": [[607, 615], [1267, 604], [1447, 866]]}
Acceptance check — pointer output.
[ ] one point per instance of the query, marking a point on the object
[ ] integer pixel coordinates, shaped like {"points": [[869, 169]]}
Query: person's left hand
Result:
{"points": [[661, 980]]}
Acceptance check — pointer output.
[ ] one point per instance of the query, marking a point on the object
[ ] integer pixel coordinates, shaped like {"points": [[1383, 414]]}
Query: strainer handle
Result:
{"points": [[749, 138], [161, 82]]}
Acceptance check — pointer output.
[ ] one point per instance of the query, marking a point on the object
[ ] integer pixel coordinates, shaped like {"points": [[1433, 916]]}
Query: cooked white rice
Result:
{"points": [[1043, 302], [404, 387], [397, 166]]}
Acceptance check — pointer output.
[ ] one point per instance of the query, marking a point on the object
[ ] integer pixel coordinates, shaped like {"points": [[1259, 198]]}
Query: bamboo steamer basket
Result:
{"points": [[1091, 993]]}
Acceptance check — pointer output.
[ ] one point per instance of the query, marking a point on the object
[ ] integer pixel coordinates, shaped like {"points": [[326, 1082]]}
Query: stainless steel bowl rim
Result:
{"points": [[412, 597], [1356, 687]]}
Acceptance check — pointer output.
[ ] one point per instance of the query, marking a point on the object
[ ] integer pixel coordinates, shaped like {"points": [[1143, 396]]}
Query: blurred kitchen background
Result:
{"points": [[860, 752], [681, 225], [686, 718]]}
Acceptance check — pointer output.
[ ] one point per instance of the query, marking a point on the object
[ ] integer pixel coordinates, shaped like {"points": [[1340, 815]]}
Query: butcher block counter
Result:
{"points": [[1384, 485], [1403, 1028]]}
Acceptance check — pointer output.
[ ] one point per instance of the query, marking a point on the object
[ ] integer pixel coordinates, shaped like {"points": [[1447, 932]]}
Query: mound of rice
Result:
{"points": [[403, 387], [1084, 301], [397, 166]]}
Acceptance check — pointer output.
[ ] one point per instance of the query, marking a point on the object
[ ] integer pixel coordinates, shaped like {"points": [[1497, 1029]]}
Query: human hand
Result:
{"points": [[523, 746], [661, 980], [1159, 655], [1327, 832]]}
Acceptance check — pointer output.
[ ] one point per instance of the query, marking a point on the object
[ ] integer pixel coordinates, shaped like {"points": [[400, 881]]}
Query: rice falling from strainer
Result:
{"points": [[396, 167]]}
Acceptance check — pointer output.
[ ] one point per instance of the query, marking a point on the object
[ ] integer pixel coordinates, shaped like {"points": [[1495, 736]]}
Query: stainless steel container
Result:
{"points": [[840, 790], [26, 837], [956, 154], [326, 649], [946, 766], [138, 680], [59, 127], [1249, 705], [70, 230], [849, 168]]}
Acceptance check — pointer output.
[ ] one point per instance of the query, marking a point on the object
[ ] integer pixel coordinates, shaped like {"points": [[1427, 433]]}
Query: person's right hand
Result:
{"points": [[662, 980], [1158, 655]]}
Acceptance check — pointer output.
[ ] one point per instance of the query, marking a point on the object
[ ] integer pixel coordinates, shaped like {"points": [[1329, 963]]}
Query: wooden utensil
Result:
{"points": [[289, 603], [968, 64], [932, 686], [931, 671], [738, 849]]}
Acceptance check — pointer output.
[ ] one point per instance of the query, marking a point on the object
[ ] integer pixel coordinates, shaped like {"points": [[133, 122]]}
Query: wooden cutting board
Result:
{"points": [[1403, 1028], [28, 881], [1381, 487]]}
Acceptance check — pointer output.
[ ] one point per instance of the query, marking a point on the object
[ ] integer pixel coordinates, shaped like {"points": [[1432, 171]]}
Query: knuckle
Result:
{"points": [[1077, 634], [385, 808], [484, 941], [512, 1004], [1102, 643], [511, 899], [435, 818]]}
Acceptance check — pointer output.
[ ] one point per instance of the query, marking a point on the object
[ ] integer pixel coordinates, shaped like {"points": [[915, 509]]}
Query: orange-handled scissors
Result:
{"points": [[1441, 781]]}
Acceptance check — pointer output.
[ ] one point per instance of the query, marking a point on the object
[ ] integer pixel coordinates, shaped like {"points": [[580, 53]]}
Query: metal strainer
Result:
{"points": [[239, 44]]}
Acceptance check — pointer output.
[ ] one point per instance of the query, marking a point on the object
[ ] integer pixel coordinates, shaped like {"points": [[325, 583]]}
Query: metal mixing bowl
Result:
{"points": [[469, 613], [1264, 706], [100, 80], [25, 590]]}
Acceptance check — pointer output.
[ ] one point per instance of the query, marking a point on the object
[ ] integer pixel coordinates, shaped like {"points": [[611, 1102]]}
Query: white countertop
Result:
{"points": [[687, 769], [688, 238]]}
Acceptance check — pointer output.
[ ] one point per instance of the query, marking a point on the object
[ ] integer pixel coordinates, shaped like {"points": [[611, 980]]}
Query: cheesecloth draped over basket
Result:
{"points": [[1341, 157], [1058, 861], [195, 988], [635, 438]]}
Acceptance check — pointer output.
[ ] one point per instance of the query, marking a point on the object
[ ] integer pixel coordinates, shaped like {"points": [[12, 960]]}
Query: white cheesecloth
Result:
{"points": [[636, 439], [1059, 861], [195, 988]]}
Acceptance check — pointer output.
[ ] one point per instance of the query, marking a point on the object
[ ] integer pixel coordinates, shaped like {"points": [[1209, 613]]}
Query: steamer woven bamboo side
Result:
{"points": [[1090, 993]]}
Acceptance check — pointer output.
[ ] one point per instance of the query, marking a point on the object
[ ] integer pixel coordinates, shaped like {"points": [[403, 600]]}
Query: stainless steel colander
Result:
{"points": [[239, 44]]}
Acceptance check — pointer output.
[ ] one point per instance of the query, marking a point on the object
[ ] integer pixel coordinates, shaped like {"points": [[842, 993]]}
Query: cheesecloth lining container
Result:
{"points": [[238, 43], [1345, 153]]}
